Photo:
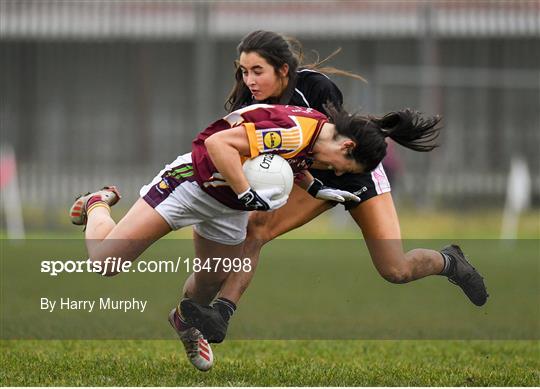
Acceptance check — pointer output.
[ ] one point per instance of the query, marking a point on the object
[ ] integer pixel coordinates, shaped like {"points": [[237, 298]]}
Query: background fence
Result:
{"points": [[97, 92]]}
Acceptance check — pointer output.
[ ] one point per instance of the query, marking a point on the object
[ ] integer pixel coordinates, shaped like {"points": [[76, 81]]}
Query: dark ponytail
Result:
{"points": [[406, 127], [410, 129]]}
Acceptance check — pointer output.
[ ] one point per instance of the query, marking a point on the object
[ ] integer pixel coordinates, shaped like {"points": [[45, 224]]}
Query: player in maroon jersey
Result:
{"points": [[179, 195]]}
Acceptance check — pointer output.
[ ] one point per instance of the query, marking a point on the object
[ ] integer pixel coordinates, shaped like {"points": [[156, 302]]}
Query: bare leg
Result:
{"points": [[99, 224], [376, 217], [379, 222], [384, 245], [137, 230], [265, 226], [203, 286]]}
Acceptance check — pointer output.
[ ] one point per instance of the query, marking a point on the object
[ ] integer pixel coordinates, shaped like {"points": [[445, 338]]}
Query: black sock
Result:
{"points": [[225, 307], [449, 262]]}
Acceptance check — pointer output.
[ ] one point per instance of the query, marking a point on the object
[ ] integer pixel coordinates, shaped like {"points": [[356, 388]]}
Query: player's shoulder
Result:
{"points": [[293, 111], [310, 77], [314, 89], [283, 115]]}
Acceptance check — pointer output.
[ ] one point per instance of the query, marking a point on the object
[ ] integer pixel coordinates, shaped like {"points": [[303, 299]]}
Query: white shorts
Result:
{"points": [[177, 197]]}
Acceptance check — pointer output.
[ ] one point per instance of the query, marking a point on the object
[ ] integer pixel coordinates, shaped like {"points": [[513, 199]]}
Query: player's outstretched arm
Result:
{"points": [[317, 189]]}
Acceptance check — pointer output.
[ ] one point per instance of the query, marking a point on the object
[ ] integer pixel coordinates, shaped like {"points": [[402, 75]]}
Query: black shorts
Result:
{"points": [[365, 186]]}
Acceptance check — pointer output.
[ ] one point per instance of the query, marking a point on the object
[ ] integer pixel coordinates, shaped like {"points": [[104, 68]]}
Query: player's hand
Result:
{"points": [[321, 192], [262, 199]]}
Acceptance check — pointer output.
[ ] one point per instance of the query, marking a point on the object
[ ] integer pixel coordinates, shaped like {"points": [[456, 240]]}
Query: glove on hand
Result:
{"points": [[262, 200], [319, 191]]}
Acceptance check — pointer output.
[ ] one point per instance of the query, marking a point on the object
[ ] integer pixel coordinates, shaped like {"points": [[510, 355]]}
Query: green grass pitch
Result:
{"points": [[273, 363], [508, 355]]}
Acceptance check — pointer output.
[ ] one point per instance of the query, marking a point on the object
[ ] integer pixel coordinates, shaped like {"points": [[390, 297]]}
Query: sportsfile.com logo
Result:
{"points": [[114, 265]]}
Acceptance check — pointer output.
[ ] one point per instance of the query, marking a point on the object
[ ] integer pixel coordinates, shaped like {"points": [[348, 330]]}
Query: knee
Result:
{"points": [[258, 229], [396, 275]]}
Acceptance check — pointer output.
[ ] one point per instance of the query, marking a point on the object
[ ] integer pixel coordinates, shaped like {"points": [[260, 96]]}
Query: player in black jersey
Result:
{"points": [[269, 71]]}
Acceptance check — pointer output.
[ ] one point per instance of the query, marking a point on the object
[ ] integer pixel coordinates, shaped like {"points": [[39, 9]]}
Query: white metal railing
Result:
{"points": [[135, 19]]}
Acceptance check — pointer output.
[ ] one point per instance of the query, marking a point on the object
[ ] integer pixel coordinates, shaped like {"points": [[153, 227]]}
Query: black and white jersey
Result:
{"points": [[313, 89]]}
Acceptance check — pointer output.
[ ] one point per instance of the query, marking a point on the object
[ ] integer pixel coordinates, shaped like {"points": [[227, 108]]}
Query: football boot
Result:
{"points": [[466, 276], [206, 319], [79, 210], [197, 348]]}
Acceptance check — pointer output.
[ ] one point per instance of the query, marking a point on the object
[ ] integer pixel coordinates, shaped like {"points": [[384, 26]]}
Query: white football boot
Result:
{"points": [[197, 348], [79, 210]]}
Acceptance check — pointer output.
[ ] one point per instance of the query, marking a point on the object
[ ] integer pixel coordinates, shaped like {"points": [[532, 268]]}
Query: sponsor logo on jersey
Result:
{"points": [[272, 139]]}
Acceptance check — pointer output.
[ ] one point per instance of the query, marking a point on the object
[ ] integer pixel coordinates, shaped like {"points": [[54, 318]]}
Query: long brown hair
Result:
{"points": [[277, 50]]}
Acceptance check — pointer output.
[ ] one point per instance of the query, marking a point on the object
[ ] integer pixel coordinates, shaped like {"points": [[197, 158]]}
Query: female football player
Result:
{"points": [[269, 71], [208, 189]]}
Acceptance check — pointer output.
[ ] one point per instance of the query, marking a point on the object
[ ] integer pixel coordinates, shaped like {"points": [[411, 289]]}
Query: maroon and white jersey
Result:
{"points": [[289, 131]]}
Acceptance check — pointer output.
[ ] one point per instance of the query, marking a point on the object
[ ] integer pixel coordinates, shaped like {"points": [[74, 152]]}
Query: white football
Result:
{"points": [[269, 171]]}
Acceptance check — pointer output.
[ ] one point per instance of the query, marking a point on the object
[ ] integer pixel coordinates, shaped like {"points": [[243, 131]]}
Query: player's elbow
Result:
{"points": [[211, 142], [216, 144]]}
